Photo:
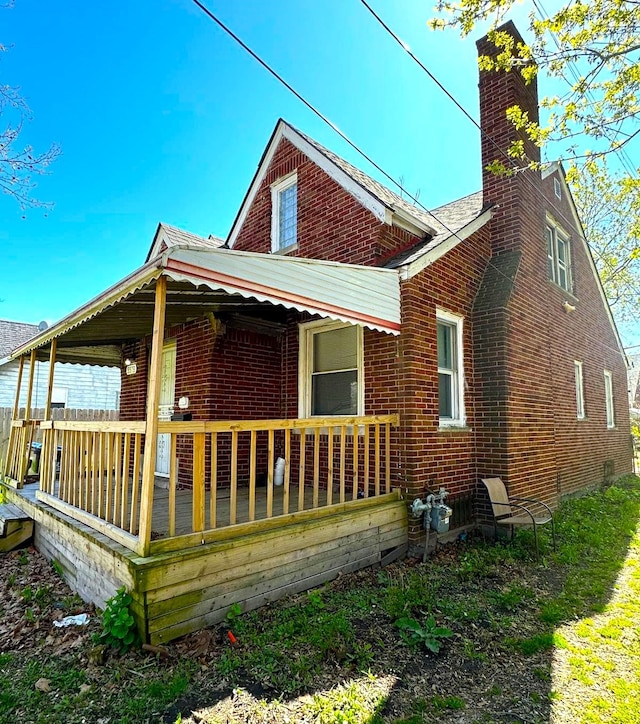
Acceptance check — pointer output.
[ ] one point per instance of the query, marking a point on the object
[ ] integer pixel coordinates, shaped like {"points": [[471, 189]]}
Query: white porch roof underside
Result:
{"points": [[221, 281]]}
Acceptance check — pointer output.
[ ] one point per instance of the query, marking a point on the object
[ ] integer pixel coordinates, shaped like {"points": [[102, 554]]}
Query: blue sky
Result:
{"points": [[162, 117]]}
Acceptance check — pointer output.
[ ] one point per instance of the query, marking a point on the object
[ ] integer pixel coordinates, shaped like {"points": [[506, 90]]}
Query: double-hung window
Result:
{"points": [[450, 369], [558, 257], [284, 214], [577, 366], [608, 398], [331, 369]]}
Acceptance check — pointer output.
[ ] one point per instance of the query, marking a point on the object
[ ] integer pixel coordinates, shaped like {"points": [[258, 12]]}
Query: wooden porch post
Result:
{"points": [[52, 362], [151, 428], [27, 437], [16, 404], [14, 431]]}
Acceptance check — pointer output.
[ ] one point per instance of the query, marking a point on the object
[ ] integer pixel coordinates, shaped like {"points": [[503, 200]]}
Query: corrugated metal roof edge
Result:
{"points": [[140, 278], [180, 271], [130, 284]]}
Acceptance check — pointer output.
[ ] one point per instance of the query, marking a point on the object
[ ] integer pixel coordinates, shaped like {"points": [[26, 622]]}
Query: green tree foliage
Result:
{"points": [[591, 46], [590, 49], [609, 207]]}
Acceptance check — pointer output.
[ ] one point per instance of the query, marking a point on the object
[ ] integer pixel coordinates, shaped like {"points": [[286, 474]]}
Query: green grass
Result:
{"points": [[588, 617]]}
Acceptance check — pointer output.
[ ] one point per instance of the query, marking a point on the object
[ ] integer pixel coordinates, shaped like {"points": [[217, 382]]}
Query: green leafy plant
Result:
{"points": [[232, 614], [118, 625], [429, 634]]}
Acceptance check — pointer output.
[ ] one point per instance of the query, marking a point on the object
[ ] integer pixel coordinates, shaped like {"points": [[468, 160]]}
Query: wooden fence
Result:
{"points": [[6, 413]]}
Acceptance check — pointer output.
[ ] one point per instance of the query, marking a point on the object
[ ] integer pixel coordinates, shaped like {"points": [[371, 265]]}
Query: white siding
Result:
{"points": [[89, 387]]}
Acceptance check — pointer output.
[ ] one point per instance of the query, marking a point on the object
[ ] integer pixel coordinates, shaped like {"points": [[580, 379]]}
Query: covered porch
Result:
{"points": [[319, 488]]}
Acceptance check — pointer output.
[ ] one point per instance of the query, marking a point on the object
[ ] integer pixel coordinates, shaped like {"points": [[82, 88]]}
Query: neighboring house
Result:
{"points": [[379, 350], [78, 386]]}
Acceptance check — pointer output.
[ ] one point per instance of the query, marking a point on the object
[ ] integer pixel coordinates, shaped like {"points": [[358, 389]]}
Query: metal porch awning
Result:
{"points": [[221, 281]]}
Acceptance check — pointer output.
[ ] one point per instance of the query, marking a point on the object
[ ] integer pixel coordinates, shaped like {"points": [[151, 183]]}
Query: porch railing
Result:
{"points": [[21, 437], [220, 474], [94, 467]]}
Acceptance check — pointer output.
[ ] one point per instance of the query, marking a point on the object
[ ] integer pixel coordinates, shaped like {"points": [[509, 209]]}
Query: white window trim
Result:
{"points": [[579, 377], [608, 399], [557, 188], [276, 189], [459, 420], [556, 232], [306, 332]]}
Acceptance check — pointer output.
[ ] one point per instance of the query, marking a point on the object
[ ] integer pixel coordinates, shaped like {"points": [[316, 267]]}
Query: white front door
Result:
{"points": [[165, 405]]}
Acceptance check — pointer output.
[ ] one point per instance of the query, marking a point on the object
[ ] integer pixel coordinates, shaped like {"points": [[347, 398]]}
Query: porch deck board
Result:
{"points": [[223, 502]]}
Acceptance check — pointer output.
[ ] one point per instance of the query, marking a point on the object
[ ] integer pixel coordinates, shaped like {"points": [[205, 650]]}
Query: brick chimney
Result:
{"points": [[499, 90], [511, 362]]}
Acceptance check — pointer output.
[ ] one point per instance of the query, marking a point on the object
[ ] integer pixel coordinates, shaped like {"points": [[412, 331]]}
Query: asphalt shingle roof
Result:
{"points": [[179, 237], [448, 220], [382, 193], [13, 334]]}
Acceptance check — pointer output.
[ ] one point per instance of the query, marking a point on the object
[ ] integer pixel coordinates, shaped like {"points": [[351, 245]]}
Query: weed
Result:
{"points": [[118, 625], [542, 673], [23, 558], [11, 579], [57, 567], [30, 615], [447, 702], [511, 598], [232, 614], [27, 594], [429, 634], [471, 653], [43, 595], [416, 591], [534, 644], [494, 691]]}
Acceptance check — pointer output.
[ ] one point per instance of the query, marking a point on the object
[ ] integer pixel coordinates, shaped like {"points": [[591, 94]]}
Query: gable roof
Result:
{"points": [[557, 167], [13, 334], [383, 203], [167, 236]]}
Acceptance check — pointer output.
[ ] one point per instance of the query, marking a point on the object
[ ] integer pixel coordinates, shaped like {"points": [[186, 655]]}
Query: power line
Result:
{"points": [[487, 136], [625, 160], [326, 120]]}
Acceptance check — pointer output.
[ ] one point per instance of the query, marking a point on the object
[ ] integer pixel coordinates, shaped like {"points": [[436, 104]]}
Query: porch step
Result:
{"points": [[16, 527]]}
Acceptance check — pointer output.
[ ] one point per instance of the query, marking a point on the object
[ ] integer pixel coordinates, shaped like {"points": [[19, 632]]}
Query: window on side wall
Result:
{"points": [[284, 214], [450, 370], [331, 370], [558, 257], [608, 398], [59, 397], [577, 366]]}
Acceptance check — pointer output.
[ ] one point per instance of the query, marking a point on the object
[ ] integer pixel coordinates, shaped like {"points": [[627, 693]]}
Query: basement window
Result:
{"points": [[450, 370], [331, 369]]}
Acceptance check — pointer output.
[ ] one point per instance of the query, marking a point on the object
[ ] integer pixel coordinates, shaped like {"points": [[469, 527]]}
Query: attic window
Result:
{"points": [[284, 214], [559, 257], [557, 188]]}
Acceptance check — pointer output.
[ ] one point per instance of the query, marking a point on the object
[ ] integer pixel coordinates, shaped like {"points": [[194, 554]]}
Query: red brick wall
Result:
{"points": [[526, 343], [432, 456], [331, 223]]}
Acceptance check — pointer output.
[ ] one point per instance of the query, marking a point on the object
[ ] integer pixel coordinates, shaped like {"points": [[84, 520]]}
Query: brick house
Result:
{"points": [[367, 342]]}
